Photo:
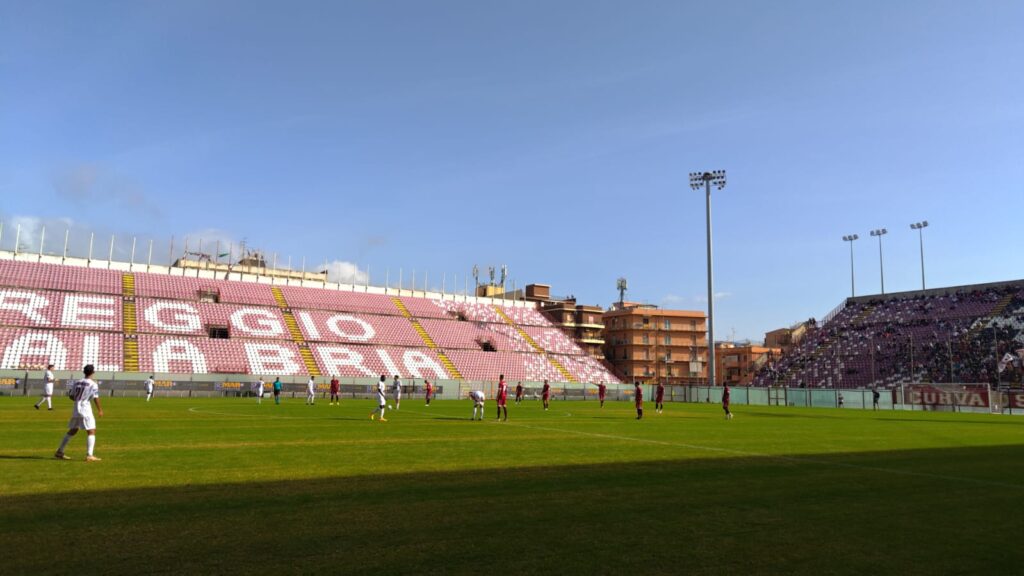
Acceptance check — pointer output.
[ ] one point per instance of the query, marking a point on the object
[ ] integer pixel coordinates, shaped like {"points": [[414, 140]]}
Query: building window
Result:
{"points": [[668, 340], [647, 321], [668, 324], [647, 339]]}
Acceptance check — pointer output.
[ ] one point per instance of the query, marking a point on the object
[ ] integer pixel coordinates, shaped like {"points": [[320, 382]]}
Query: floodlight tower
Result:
{"points": [[850, 239], [706, 180], [881, 269], [920, 237]]}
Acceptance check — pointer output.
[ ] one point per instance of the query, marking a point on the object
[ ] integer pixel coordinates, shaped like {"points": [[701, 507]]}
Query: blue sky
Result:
{"points": [[555, 137]]}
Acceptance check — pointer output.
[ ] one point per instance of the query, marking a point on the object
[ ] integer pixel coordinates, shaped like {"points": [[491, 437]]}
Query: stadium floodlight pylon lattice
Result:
{"points": [[707, 179]]}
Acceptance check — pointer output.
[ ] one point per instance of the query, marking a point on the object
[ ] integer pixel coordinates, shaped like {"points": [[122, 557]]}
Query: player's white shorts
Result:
{"points": [[478, 403], [87, 422], [48, 389]]}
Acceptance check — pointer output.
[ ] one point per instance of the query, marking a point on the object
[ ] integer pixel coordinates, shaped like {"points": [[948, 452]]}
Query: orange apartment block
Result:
{"points": [[581, 322], [649, 344], [737, 365]]}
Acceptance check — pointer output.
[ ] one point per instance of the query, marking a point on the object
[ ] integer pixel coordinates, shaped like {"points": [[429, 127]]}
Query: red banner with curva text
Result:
{"points": [[973, 396]]}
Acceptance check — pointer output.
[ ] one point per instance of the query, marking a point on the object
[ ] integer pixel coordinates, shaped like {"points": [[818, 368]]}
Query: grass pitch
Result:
{"points": [[206, 486]]}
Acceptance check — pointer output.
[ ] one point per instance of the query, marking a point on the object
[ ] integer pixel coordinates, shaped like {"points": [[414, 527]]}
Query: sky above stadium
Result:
{"points": [[554, 137]]}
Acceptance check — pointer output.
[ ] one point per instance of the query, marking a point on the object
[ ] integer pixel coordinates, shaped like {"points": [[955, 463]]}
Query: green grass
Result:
{"points": [[205, 486]]}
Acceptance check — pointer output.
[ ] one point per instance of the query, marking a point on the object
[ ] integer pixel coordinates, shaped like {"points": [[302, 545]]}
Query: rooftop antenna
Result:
{"points": [[621, 286], [504, 275], [476, 275]]}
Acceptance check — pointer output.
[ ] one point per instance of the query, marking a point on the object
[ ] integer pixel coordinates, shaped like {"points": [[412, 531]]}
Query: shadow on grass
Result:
{"points": [[906, 512], [14, 457]]}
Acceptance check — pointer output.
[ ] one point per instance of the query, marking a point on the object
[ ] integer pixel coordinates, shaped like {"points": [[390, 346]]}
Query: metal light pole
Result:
{"points": [[881, 269], [920, 238], [850, 239], [697, 180]]}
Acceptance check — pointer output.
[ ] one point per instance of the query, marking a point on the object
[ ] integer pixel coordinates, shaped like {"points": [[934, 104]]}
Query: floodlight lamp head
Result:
{"points": [[696, 181], [924, 224]]}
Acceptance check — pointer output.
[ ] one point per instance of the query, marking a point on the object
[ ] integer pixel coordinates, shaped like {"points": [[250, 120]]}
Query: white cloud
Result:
{"points": [[671, 299], [345, 272], [718, 296]]}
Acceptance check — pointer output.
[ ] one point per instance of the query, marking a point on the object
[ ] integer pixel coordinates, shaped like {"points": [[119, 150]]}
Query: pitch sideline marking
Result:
{"points": [[796, 459]]}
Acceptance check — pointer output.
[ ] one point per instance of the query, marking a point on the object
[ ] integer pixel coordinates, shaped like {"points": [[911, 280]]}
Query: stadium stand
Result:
{"points": [[956, 335], [158, 322]]}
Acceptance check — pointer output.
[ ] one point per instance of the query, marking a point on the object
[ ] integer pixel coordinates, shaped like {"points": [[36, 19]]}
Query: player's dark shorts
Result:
{"points": [[277, 392]]}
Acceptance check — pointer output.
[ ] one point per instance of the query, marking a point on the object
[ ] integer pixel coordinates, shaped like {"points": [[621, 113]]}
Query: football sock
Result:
{"points": [[64, 443], [90, 443]]}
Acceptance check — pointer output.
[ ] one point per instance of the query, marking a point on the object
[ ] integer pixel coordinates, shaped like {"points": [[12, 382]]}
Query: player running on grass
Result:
{"points": [[83, 391], [430, 391], [257, 390], [601, 391], [545, 394], [725, 402], [638, 399], [396, 392], [659, 398], [335, 391], [519, 392], [47, 389], [149, 387], [502, 397], [477, 396], [382, 399]]}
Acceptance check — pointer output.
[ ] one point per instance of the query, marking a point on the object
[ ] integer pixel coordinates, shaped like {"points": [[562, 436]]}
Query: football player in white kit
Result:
{"points": [[257, 389], [310, 391], [382, 399], [47, 389], [477, 396], [396, 391], [149, 387], [83, 391]]}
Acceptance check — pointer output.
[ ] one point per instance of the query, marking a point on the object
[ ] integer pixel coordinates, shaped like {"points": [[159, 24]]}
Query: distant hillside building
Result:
{"points": [[786, 338], [581, 322], [737, 364], [646, 343]]}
